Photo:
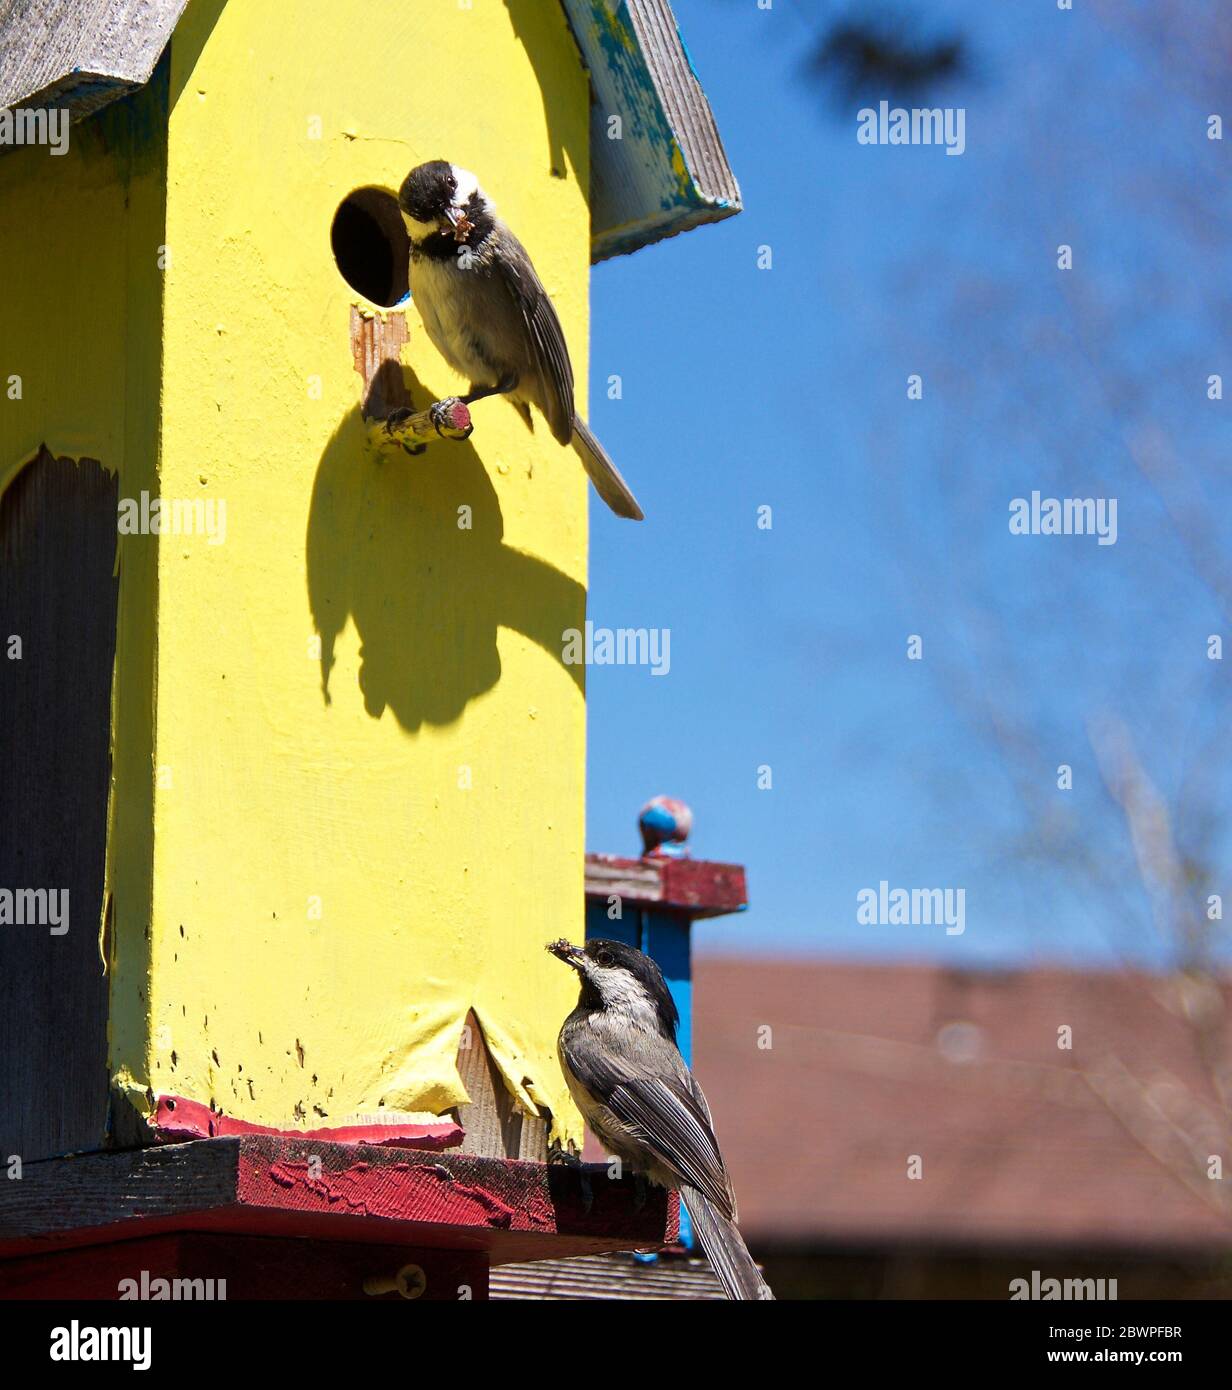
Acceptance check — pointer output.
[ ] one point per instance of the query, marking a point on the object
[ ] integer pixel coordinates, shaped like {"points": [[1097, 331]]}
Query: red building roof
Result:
{"points": [[1021, 1141]]}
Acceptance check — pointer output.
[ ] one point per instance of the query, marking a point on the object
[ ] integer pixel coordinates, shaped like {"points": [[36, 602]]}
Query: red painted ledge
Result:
{"points": [[273, 1185], [177, 1119], [691, 887]]}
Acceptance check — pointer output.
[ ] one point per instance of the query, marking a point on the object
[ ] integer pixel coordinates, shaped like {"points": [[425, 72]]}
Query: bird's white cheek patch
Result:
{"points": [[625, 997], [467, 186], [418, 230]]}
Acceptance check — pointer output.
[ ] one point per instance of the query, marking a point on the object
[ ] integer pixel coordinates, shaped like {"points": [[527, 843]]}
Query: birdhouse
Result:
{"points": [[292, 789]]}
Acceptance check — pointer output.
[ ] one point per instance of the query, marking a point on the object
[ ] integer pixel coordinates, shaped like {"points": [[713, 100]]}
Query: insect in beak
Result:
{"points": [[457, 223], [566, 951]]}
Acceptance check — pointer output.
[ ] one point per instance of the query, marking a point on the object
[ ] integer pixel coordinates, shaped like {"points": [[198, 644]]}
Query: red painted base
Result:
{"points": [[691, 887], [195, 1267], [267, 1185], [177, 1118]]}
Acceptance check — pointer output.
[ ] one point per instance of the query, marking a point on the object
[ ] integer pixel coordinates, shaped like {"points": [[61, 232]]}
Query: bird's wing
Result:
{"points": [[544, 340], [663, 1112]]}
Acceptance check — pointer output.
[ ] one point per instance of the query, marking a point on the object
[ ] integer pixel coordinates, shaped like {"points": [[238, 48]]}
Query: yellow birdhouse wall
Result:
{"points": [[348, 791]]}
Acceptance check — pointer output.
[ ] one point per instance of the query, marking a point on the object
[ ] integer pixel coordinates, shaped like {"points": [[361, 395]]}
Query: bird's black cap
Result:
{"points": [[603, 954], [428, 190]]}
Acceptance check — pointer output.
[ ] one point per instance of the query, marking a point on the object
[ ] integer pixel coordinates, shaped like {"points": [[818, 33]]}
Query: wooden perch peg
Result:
{"points": [[376, 346], [416, 429]]}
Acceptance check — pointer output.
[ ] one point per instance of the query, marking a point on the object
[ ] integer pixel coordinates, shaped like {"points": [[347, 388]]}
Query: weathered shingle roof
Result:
{"points": [[595, 1277], [668, 171], [1024, 1144], [665, 173], [80, 53]]}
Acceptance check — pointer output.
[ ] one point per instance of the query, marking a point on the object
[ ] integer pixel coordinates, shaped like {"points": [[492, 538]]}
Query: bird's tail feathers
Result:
{"points": [[725, 1248], [604, 473]]}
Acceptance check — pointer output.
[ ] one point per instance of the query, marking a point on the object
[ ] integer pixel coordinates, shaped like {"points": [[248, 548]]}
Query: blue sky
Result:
{"points": [[788, 387]]}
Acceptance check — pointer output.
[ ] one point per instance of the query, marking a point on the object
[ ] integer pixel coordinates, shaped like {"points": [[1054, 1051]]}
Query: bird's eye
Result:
{"points": [[603, 957]]}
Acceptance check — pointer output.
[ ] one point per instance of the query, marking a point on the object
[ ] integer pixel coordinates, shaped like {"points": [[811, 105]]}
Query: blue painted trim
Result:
{"points": [[665, 939], [626, 929]]}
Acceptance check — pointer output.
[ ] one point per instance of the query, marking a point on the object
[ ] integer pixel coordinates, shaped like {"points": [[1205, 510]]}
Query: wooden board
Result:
{"points": [[691, 887], [80, 53], [58, 594], [202, 1268], [594, 1278], [667, 171], [265, 1185], [495, 1124]]}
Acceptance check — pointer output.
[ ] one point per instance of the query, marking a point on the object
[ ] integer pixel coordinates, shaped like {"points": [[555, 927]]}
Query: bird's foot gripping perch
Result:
{"points": [[574, 1162], [414, 430]]}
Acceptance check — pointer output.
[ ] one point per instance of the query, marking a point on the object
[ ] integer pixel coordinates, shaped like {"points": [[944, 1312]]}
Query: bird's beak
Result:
{"points": [[568, 952], [456, 223]]}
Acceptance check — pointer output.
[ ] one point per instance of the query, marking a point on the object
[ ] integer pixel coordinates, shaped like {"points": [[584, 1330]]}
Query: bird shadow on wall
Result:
{"points": [[386, 549]]}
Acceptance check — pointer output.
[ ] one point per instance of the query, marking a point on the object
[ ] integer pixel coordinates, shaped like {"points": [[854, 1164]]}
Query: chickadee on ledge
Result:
{"points": [[618, 1052], [490, 318]]}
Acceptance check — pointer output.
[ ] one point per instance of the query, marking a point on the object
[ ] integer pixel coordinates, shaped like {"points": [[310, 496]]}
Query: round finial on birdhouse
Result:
{"points": [[665, 822]]}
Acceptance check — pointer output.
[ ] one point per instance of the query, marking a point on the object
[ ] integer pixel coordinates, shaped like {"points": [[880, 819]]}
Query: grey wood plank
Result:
{"points": [[494, 1123], [67, 1195], [80, 53], [58, 595]]}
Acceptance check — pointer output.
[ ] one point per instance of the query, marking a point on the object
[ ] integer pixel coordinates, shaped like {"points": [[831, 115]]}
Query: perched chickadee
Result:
{"points": [[489, 316], [618, 1052]]}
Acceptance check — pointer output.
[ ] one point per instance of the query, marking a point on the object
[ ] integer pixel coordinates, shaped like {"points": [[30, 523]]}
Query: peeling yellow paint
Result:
{"points": [[618, 28], [684, 179]]}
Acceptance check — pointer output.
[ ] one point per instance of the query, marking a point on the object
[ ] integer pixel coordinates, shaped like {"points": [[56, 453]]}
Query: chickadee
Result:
{"points": [[489, 316], [618, 1052]]}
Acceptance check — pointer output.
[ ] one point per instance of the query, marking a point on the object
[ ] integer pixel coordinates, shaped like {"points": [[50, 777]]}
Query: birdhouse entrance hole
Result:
{"points": [[371, 246]]}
